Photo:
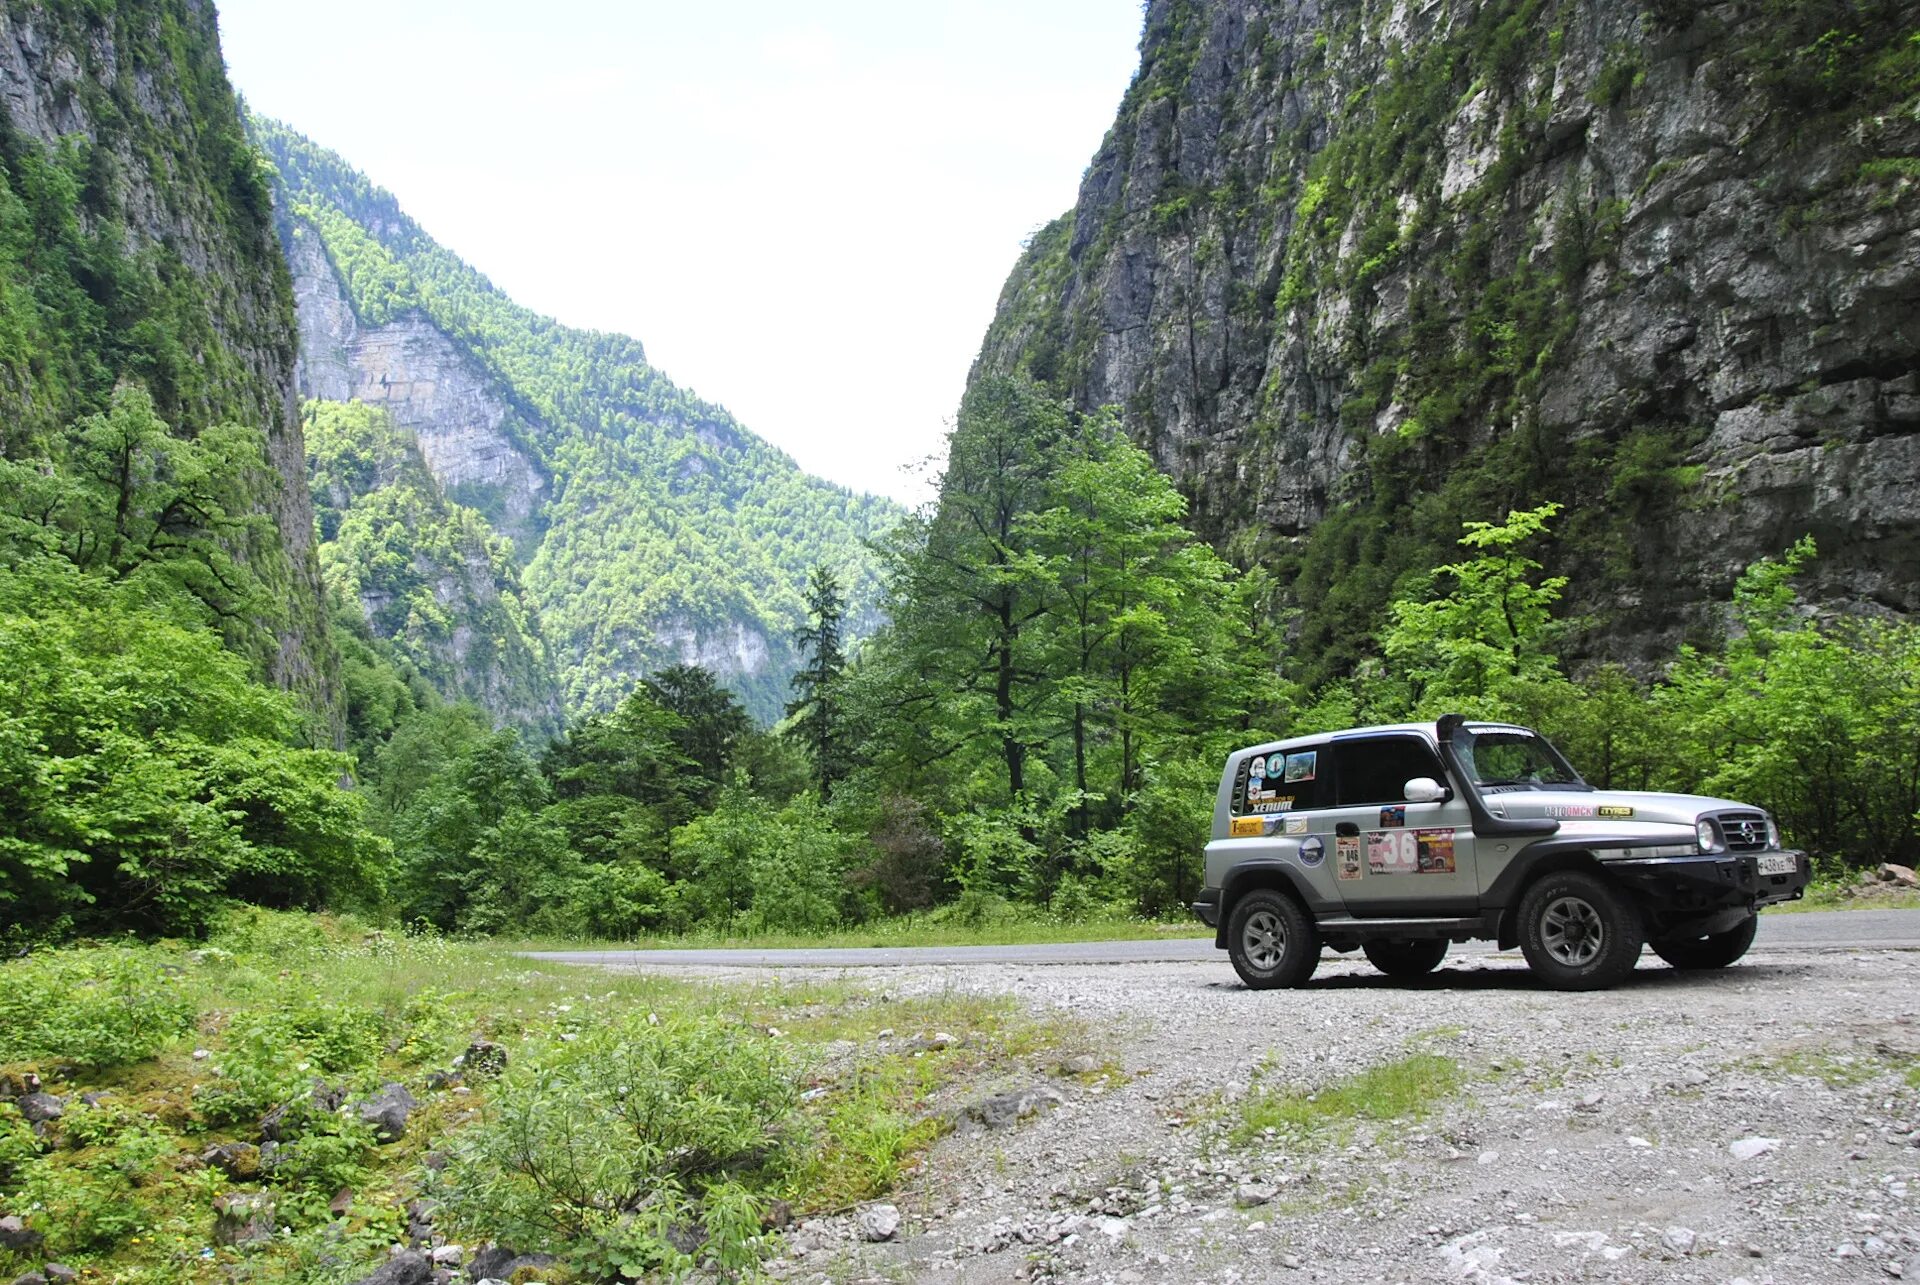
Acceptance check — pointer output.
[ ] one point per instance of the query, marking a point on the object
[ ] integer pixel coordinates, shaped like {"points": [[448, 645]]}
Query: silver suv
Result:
{"points": [[1398, 840]]}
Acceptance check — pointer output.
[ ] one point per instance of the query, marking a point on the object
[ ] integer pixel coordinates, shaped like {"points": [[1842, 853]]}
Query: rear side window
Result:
{"points": [[1280, 781], [1377, 769]]}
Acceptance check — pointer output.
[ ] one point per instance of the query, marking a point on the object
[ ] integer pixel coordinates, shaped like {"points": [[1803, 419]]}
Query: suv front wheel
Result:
{"points": [[1715, 950], [1271, 941], [1578, 932]]}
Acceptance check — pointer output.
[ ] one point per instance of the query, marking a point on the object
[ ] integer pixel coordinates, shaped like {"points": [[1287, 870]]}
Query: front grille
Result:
{"points": [[1744, 831]]}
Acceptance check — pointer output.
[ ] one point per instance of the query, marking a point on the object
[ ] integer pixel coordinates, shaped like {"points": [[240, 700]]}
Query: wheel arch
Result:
{"points": [[1254, 875], [1532, 866]]}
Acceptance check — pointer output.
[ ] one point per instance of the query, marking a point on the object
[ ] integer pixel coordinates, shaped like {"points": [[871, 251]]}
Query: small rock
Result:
{"points": [[1638, 1143], [778, 1214], [36, 1108], [1488, 1157], [30, 1278], [1250, 1194], [60, 1274], [483, 1057], [387, 1112], [497, 1262], [1752, 1148], [1003, 1110], [1080, 1064], [449, 1255], [1291, 1262], [1898, 874], [408, 1267], [242, 1218], [879, 1222], [1679, 1239], [238, 1160], [201, 1055], [1113, 1228], [16, 1235]]}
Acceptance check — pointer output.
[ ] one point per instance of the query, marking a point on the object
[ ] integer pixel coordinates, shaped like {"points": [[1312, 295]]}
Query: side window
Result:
{"points": [[1280, 781], [1377, 769]]}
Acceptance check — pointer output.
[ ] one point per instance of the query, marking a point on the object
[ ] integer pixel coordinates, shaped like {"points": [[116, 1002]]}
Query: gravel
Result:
{"points": [[1750, 1125]]}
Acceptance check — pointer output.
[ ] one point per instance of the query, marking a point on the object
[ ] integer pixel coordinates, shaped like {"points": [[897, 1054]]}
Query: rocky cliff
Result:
{"points": [[1361, 269], [140, 246], [652, 527], [429, 577]]}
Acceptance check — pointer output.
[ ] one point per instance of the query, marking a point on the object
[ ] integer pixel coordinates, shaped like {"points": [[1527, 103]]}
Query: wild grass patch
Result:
{"points": [[1407, 1088]]}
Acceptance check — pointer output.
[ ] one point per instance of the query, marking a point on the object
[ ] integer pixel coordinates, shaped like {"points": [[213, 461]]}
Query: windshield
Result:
{"points": [[1514, 760]]}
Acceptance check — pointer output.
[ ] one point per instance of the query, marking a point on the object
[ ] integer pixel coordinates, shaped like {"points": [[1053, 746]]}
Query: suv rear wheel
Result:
{"points": [[1271, 940], [1578, 932], [1715, 950], [1406, 958]]}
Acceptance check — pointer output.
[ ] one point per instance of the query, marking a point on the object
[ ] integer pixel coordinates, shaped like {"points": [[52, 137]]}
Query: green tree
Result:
{"points": [[815, 708], [712, 723]]}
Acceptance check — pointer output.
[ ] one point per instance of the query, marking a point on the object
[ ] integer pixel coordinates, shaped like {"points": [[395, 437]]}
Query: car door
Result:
{"points": [[1393, 858]]}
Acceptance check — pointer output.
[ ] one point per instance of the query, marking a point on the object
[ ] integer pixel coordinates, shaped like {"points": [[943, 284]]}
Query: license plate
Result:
{"points": [[1779, 863]]}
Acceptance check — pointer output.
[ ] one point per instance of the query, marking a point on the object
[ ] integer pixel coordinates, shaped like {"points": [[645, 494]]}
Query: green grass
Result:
{"points": [[1840, 1068], [911, 930], [1833, 894], [278, 1000], [1405, 1089]]}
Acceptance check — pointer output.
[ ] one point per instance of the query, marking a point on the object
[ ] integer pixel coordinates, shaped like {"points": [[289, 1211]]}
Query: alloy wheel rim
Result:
{"points": [[1572, 931], [1264, 939]]}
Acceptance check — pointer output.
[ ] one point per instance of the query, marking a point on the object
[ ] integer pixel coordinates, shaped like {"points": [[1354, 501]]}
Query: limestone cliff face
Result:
{"points": [[171, 194], [464, 424], [1361, 269]]}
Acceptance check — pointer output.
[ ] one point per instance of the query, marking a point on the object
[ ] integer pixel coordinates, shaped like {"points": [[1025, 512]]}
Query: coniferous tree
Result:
{"points": [[816, 707]]}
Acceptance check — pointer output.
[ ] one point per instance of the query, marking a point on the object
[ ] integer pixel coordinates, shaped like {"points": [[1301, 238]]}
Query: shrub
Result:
{"points": [[640, 1146], [96, 1007]]}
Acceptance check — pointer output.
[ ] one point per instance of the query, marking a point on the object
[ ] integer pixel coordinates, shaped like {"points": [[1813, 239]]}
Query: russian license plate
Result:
{"points": [[1779, 863]]}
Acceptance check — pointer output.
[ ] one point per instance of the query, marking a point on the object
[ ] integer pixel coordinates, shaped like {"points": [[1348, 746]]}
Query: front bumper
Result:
{"points": [[1207, 906], [1713, 881]]}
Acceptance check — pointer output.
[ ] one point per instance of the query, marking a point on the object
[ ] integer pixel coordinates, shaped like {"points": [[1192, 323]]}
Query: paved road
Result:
{"points": [[1809, 930]]}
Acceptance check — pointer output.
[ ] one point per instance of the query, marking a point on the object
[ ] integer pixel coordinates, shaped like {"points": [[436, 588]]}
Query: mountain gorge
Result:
{"points": [[1361, 270], [650, 528]]}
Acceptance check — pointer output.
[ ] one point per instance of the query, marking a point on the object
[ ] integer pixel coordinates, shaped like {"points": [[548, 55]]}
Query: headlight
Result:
{"points": [[1709, 837], [1773, 835]]}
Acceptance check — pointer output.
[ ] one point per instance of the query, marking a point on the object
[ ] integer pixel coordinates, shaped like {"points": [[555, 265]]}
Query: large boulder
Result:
{"points": [[387, 1111]]}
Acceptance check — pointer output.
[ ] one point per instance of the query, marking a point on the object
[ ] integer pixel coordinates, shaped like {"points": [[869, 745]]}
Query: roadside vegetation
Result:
{"points": [[289, 1098]]}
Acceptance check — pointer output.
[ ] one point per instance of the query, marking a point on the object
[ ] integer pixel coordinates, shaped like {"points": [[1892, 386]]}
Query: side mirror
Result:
{"points": [[1424, 789]]}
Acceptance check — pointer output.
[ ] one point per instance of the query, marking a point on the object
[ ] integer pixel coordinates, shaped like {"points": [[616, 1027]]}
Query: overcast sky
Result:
{"points": [[805, 212]]}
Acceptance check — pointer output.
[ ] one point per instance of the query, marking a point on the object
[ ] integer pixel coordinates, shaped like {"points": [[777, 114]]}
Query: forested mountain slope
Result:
{"points": [[654, 529], [137, 246], [429, 577], [1363, 269]]}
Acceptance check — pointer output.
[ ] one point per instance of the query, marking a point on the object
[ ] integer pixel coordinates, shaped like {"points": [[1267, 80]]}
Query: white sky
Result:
{"points": [[805, 212]]}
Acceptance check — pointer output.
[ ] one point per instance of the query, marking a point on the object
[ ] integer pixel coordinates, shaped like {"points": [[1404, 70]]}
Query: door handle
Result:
{"points": [[1346, 828]]}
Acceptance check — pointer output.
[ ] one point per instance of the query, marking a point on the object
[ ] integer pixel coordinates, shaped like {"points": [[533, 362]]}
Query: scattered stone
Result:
{"points": [[879, 1222], [1679, 1239], [201, 1055], [342, 1201], [1291, 1262], [1250, 1194], [238, 1160], [16, 1235], [387, 1112], [60, 1274], [1752, 1148], [1003, 1110], [1902, 875], [1080, 1064], [777, 1215], [30, 1278], [1113, 1228], [408, 1267], [497, 1262], [483, 1058], [37, 1108], [1638, 1143], [242, 1218], [449, 1255]]}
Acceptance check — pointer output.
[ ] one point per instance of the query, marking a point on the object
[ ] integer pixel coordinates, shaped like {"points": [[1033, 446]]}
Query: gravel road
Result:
{"points": [[1828, 929], [1760, 1124]]}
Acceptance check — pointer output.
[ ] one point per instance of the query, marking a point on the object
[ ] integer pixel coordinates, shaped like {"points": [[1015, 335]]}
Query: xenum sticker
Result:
{"points": [[1615, 810], [1347, 861], [1296, 825], [1313, 850], [1247, 828], [1396, 815], [1434, 851], [1300, 767], [1277, 805]]}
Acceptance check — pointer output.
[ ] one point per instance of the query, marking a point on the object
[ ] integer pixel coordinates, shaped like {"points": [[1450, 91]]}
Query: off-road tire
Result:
{"points": [[1579, 932], [1271, 940], [1715, 950], [1405, 959]]}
